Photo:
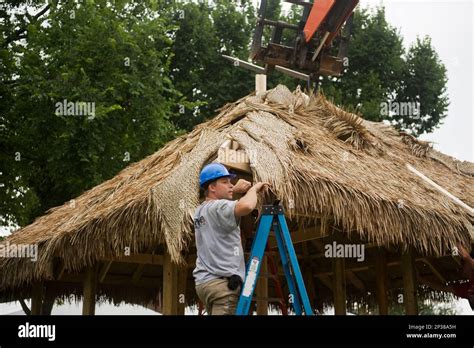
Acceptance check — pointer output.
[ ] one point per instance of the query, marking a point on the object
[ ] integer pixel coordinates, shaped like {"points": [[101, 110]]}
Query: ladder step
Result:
{"points": [[267, 253]]}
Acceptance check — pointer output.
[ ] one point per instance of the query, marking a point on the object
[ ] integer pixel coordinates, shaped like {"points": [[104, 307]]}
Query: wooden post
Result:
{"points": [[36, 298], [90, 284], [339, 286], [381, 280], [262, 288], [260, 84], [182, 283], [48, 301], [409, 283], [170, 286]]}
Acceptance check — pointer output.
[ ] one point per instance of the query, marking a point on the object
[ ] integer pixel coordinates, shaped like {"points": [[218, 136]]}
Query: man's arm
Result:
{"points": [[248, 202]]}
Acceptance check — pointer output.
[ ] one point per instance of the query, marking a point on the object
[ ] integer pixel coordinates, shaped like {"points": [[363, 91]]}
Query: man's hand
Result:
{"points": [[260, 186], [242, 186], [248, 202]]}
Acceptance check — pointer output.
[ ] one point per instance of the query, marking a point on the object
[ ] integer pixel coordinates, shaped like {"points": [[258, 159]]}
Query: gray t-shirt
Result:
{"points": [[218, 243]]}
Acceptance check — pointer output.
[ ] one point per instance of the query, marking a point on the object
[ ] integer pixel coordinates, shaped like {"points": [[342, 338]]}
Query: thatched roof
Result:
{"points": [[322, 162]]}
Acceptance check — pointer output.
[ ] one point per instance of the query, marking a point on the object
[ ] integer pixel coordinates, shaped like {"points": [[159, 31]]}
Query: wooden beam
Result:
{"points": [[354, 279], [244, 167], [170, 286], [319, 245], [24, 306], [228, 155], [409, 283], [359, 266], [226, 144], [457, 260], [442, 190], [260, 84], [325, 279], [104, 270], [235, 159], [234, 145], [182, 285], [339, 286], [301, 236], [149, 259], [262, 288], [125, 280], [37, 298], [90, 285], [435, 270], [138, 273], [381, 281]]}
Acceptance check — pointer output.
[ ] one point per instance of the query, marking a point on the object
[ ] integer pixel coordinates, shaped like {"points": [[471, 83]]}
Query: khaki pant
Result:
{"points": [[217, 297]]}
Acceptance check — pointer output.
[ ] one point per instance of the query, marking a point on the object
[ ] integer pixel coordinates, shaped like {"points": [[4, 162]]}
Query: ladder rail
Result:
{"points": [[286, 267], [253, 266], [276, 280], [294, 265]]}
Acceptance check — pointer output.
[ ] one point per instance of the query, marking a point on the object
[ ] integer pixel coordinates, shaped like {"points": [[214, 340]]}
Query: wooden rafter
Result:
{"points": [[103, 271]]}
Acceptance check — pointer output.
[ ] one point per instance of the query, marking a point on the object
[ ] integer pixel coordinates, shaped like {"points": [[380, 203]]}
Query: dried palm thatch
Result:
{"points": [[321, 161]]}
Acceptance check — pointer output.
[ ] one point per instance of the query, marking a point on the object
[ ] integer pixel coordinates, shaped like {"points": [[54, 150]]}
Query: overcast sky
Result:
{"points": [[449, 23]]}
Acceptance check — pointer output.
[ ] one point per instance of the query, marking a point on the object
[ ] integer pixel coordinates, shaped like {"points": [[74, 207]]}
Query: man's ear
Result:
{"points": [[213, 185]]}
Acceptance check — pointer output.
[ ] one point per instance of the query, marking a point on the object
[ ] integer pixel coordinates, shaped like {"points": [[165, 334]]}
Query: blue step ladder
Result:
{"points": [[273, 217]]}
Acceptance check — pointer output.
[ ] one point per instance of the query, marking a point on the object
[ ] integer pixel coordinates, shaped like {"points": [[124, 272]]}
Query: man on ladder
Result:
{"points": [[220, 264], [220, 258]]}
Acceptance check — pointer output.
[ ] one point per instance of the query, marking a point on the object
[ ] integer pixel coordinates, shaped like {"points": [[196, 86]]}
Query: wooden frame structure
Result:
{"points": [[334, 274]]}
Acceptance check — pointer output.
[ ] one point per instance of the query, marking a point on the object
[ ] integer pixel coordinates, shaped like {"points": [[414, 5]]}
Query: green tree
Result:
{"points": [[206, 31], [375, 65], [425, 85], [113, 56]]}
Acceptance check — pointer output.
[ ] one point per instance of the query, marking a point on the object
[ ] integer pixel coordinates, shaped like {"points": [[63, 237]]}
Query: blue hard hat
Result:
{"points": [[212, 172]]}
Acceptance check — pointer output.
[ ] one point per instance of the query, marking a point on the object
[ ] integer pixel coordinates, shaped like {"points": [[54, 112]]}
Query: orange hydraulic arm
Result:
{"points": [[330, 14], [317, 15]]}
